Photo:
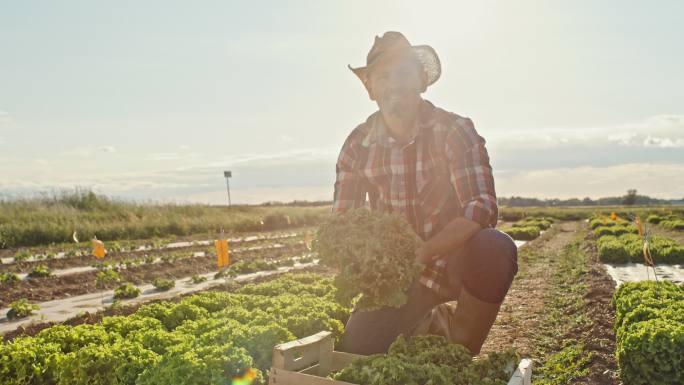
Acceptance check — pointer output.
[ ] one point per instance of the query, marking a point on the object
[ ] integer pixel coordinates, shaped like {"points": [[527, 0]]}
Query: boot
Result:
{"points": [[468, 323]]}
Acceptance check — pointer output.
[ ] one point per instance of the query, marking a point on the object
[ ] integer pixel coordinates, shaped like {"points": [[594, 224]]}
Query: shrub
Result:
{"points": [[655, 219], [72, 338], [106, 277], [162, 284], [541, 222], [26, 361], [429, 360], [275, 221], [198, 279], [119, 363], [375, 255], [21, 308], [127, 290], [615, 230], [676, 224], [526, 233], [40, 271], [22, 255], [650, 332], [9, 277], [629, 248], [201, 365]]}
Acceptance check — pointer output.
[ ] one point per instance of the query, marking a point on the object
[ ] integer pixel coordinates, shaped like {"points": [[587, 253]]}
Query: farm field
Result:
{"points": [[162, 311]]}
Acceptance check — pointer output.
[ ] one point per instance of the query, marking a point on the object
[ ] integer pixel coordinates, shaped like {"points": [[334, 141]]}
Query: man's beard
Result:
{"points": [[398, 107]]}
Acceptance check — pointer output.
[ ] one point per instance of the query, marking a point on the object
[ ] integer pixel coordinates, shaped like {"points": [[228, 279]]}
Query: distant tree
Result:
{"points": [[630, 198]]}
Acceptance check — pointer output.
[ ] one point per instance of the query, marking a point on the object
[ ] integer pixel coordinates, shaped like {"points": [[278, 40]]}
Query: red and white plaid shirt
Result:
{"points": [[442, 174]]}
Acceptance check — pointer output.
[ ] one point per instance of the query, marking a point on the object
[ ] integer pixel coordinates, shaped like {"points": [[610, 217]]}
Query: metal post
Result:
{"points": [[228, 189], [228, 174]]}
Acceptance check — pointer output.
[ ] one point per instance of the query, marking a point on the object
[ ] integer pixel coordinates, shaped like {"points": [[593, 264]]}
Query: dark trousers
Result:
{"points": [[484, 267]]}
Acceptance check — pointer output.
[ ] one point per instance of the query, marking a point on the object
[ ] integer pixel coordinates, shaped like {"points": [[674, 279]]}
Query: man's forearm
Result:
{"points": [[454, 235]]}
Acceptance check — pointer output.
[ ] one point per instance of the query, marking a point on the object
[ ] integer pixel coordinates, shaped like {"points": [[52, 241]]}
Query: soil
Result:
{"points": [[519, 318], [522, 313], [54, 287], [599, 337]]}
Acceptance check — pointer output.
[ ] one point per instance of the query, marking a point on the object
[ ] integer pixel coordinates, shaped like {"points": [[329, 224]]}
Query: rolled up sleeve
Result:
{"points": [[471, 173]]}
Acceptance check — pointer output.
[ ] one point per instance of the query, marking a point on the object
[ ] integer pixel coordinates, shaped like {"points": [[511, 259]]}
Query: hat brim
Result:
{"points": [[425, 54]]}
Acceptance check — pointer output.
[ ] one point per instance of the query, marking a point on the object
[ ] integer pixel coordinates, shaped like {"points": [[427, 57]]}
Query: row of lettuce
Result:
{"points": [[649, 325], [649, 315], [21, 308], [621, 241], [208, 338], [529, 228], [668, 221]]}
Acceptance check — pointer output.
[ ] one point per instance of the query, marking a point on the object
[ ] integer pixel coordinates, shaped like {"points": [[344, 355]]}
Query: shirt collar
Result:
{"points": [[379, 134]]}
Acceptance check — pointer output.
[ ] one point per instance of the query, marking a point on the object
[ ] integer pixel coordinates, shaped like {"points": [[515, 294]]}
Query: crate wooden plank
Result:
{"points": [[286, 377], [305, 353], [341, 360]]}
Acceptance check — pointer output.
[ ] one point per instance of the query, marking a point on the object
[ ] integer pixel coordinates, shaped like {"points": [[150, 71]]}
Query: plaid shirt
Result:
{"points": [[442, 174]]}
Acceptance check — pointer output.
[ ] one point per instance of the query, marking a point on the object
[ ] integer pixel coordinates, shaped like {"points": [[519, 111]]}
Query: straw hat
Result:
{"points": [[395, 44]]}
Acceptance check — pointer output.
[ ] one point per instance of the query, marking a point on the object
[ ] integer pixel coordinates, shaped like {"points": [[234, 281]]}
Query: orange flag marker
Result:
{"points": [[99, 250]]}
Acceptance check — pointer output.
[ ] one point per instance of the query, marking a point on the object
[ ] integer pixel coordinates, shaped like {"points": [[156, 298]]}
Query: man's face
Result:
{"points": [[396, 84]]}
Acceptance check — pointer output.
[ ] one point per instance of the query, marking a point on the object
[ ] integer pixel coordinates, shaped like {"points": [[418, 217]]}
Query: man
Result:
{"points": [[431, 167]]}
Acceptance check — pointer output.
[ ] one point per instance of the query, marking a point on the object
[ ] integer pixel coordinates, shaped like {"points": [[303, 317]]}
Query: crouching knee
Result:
{"points": [[491, 263]]}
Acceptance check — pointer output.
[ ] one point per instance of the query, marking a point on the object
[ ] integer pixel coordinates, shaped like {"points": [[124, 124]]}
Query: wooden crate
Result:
{"points": [[309, 360]]}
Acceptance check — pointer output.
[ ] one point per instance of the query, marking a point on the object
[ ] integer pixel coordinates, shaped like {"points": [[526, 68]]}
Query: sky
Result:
{"points": [[153, 100]]}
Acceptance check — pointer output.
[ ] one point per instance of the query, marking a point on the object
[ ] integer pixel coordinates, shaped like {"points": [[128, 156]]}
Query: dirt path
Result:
{"points": [[532, 321], [598, 336], [519, 318]]}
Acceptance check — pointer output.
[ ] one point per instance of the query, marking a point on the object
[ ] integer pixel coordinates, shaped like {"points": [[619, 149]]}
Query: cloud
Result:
{"points": [[664, 131], [84, 152], [169, 156], [657, 180], [569, 162], [651, 141], [623, 138], [5, 117], [77, 152]]}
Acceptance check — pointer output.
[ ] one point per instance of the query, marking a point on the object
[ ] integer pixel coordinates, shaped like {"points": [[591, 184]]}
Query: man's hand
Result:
{"points": [[424, 253], [453, 236]]}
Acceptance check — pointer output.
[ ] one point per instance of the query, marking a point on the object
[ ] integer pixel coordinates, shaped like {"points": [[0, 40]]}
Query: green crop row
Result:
{"points": [[677, 224], [526, 233], [528, 228], [629, 248], [615, 229], [669, 221], [649, 325], [205, 339], [605, 221]]}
